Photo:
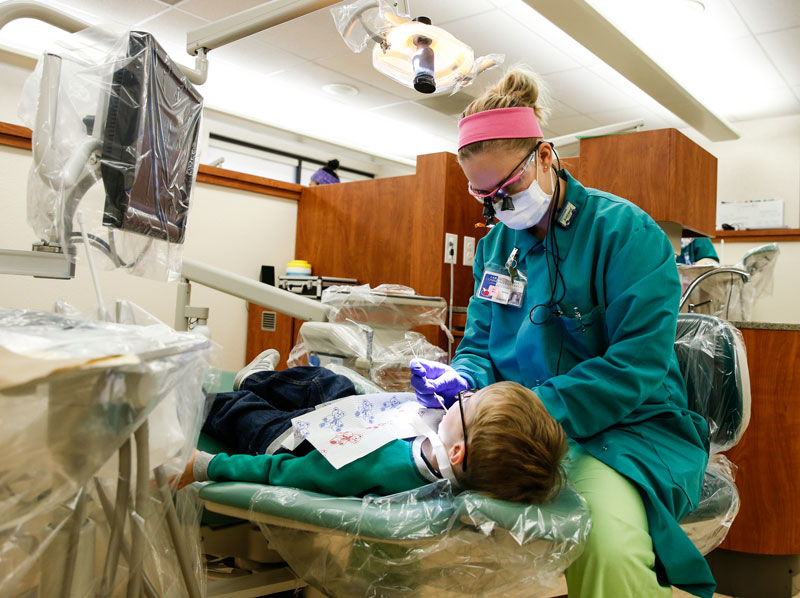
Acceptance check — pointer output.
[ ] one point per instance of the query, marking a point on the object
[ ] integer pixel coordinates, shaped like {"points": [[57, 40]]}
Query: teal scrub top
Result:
{"points": [[699, 248], [605, 367]]}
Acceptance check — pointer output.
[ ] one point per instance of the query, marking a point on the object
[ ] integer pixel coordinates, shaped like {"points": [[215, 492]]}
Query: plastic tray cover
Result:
{"points": [[113, 107], [432, 544], [71, 392]]}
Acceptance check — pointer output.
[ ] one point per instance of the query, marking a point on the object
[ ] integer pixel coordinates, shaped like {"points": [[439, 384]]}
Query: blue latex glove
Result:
{"points": [[431, 378]]}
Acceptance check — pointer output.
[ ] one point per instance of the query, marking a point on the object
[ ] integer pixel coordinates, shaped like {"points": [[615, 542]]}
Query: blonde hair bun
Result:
{"points": [[519, 87]]}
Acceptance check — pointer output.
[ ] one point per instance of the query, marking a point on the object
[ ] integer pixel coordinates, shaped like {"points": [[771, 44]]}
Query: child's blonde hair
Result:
{"points": [[515, 447]]}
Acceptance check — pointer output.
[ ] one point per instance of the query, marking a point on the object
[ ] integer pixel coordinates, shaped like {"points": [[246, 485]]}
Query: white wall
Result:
{"points": [[764, 163]]}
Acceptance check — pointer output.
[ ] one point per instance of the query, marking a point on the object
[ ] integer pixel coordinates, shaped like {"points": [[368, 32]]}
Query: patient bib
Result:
{"points": [[350, 428]]}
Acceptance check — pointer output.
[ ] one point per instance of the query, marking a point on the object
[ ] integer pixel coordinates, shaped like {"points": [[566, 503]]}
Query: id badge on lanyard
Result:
{"points": [[505, 285]]}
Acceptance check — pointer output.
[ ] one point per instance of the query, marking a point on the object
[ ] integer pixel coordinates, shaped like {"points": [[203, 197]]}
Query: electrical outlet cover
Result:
{"points": [[450, 248]]}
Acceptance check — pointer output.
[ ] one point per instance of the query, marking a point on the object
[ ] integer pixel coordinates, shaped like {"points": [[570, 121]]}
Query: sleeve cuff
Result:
{"points": [[467, 376], [200, 468]]}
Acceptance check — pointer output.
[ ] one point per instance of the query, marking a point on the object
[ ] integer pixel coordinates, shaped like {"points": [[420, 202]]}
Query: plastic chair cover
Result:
{"points": [[369, 331], [713, 361], [72, 391], [710, 522], [426, 542]]}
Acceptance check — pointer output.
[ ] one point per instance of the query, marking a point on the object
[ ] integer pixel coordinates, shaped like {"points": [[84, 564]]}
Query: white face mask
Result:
{"points": [[530, 206]]}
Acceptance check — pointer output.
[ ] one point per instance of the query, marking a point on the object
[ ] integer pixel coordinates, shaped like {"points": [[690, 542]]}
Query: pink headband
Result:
{"points": [[503, 123]]}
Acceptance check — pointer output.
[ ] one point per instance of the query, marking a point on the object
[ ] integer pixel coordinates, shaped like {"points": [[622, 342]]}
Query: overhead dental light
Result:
{"points": [[412, 52], [422, 56]]}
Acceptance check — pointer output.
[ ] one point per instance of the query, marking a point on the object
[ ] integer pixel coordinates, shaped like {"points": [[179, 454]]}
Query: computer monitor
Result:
{"points": [[149, 142]]}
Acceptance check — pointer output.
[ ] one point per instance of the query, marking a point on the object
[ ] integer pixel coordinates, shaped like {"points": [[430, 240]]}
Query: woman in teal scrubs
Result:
{"points": [[577, 298], [694, 250]]}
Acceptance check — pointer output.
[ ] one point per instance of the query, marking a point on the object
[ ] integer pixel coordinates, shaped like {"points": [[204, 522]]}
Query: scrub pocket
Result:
{"points": [[582, 338]]}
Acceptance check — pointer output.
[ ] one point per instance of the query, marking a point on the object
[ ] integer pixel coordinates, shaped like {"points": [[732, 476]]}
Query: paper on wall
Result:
{"points": [[755, 214]]}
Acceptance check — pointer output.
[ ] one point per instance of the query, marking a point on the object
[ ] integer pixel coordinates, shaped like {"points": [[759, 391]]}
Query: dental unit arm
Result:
{"points": [[262, 294]]}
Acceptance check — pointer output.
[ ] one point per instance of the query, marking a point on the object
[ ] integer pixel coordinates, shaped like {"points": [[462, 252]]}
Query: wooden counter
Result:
{"points": [[768, 456]]}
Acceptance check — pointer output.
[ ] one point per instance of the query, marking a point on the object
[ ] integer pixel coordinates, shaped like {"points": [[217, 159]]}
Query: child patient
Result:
{"points": [[507, 445]]}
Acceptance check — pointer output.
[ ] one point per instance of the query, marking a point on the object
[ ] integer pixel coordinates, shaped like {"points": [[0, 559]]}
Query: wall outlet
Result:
{"points": [[450, 248], [469, 251]]}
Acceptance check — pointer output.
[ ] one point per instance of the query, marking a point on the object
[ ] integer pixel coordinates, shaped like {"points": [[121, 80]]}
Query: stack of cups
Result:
{"points": [[298, 268]]}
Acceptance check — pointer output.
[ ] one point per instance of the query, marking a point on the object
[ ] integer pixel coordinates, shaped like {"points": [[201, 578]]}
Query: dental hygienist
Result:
{"points": [[576, 297]]}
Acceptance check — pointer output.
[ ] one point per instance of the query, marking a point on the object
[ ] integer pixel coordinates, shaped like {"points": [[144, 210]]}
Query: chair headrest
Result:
{"points": [[713, 361]]}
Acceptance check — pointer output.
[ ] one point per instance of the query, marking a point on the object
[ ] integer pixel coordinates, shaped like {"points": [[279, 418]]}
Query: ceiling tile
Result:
{"points": [[569, 125], [586, 92], [170, 28], [309, 78], [532, 20], [495, 32], [312, 36], [783, 48], [763, 16], [765, 103], [451, 105], [415, 115], [440, 13], [258, 56], [728, 76], [114, 11], [559, 109], [214, 10], [620, 115]]}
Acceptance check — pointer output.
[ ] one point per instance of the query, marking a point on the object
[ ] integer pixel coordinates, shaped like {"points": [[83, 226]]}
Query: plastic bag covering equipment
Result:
{"points": [[72, 393], [369, 330], [726, 295], [117, 109], [406, 50], [713, 361], [423, 542]]}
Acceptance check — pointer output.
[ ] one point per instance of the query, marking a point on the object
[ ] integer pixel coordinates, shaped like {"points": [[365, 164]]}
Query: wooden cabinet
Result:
{"points": [[392, 230], [664, 172], [768, 455]]}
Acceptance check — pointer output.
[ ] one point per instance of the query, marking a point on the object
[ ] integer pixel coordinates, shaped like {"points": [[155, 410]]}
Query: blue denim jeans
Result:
{"points": [[249, 419]]}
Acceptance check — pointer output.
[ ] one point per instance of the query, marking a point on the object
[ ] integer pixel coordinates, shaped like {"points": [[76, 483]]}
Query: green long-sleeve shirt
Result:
{"points": [[391, 468]]}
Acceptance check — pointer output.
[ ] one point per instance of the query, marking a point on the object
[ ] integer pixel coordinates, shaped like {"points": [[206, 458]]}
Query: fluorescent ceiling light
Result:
{"points": [[609, 30]]}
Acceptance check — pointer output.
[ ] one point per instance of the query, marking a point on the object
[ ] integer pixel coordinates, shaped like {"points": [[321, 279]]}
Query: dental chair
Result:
{"points": [[430, 542], [729, 292], [370, 331]]}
